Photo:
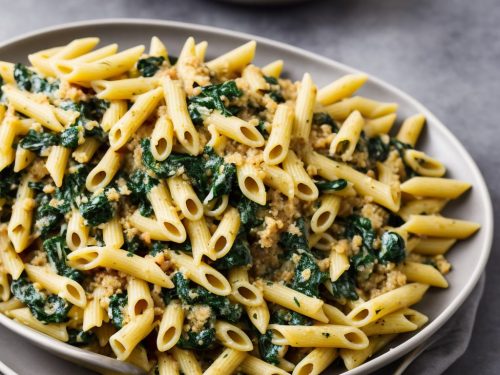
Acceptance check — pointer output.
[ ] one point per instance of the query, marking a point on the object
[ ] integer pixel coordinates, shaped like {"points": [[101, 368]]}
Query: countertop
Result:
{"points": [[444, 53]]}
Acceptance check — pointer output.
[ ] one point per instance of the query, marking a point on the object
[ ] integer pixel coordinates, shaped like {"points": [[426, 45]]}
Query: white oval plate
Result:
{"points": [[468, 257]]}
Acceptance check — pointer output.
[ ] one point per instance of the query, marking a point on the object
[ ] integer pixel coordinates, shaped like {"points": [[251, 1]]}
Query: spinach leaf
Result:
{"points": [[210, 98], [322, 118], [2, 98], [192, 165], [202, 340], [222, 175], [38, 141], [97, 210], [79, 338], [135, 246], [392, 249], [140, 184], [277, 96], [48, 218], [308, 277], [51, 309], [335, 185], [57, 252], [73, 186], [377, 149], [9, 182], [150, 65], [157, 247], [90, 110], [117, 303], [261, 127], [295, 243], [361, 226], [344, 287], [268, 351], [223, 308], [28, 80], [248, 211], [271, 80], [239, 255], [70, 136]]}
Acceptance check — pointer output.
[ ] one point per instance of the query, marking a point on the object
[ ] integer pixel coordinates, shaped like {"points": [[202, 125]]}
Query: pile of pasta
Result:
{"points": [[208, 216]]}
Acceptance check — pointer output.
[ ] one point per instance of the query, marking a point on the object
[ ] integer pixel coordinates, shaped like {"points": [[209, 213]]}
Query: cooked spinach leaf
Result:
{"points": [[97, 210], [73, 187], [135, 246], [117, 303], [335, 185], [210, 98], [268, 351], [38, 141], [28, 80], [78, 337], [150, 65], [392, 249], [345, 287], [308, 277], [2, 97], [239, 255], [70, 136], [295, 243], [261, 127], [222, 175], [277, 96], [322, 118], [50, 309], [140, 184], [377, 149], [210, 176], [9, 182], [223, 308], [249, 210], [157, 247], [361, 226], [90, 110], [48, 218], [57, 252], [201, 340], [193, 166]]}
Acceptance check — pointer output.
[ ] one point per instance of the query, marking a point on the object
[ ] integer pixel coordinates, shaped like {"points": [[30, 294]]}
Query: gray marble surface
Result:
{"points": [[444, 53]]}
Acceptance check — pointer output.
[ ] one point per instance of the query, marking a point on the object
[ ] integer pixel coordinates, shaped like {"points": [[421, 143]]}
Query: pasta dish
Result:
{"points": [[194, 215]]}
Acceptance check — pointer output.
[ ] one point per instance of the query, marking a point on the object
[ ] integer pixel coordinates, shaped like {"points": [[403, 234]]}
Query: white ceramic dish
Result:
{"points": [[468, 257]]}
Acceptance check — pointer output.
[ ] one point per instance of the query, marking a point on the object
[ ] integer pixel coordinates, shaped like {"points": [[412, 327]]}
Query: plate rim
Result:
{"points": [[482, 190]]}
